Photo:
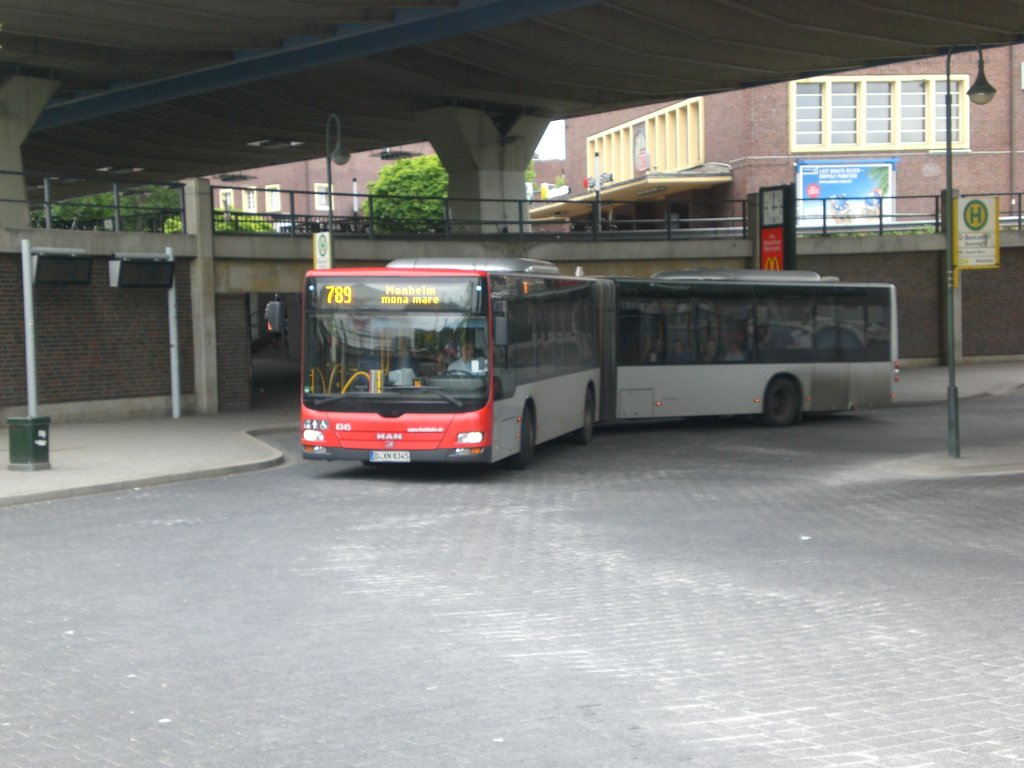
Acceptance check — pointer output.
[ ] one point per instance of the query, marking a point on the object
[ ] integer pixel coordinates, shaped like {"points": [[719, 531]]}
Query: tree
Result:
{"points": [[409, 196], [148, 208]]}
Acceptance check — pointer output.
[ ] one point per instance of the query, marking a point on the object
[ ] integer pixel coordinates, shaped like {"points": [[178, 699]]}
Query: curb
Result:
{"points": [[275, 459]]}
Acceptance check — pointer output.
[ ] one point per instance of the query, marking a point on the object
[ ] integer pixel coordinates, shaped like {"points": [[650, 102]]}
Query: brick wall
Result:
{"points": [[93, 342], [234, 365], [12, 333], [993, 313], [918, 278]]}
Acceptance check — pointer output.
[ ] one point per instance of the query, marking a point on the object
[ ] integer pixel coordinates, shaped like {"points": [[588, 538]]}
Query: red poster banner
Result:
{"points": [[772, 248]]}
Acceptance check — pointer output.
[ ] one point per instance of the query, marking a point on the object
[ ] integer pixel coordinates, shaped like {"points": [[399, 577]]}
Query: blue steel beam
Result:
{"points": [[469, 17]]}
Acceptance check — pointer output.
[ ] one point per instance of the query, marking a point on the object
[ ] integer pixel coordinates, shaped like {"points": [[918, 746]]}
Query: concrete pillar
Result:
{"points": [[199, 218], [486, 158], [21, 100]]}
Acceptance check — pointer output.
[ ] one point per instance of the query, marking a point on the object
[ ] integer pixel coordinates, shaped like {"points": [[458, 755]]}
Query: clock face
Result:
{"points": [[772, 208]]}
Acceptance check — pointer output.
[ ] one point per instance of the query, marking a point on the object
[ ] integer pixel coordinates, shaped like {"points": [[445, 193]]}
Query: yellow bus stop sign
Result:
{"points": [[323, 256], [975, 234]]}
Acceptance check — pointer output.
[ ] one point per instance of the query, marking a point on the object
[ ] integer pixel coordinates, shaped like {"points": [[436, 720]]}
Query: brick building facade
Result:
{"points": [[751, 131]]}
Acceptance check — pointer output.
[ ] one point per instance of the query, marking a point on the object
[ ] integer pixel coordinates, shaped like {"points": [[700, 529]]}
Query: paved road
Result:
{"points": [[710, 594]]}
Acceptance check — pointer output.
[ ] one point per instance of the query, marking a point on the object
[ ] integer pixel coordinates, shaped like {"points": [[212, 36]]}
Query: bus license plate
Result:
{"points": [[390, 457]]}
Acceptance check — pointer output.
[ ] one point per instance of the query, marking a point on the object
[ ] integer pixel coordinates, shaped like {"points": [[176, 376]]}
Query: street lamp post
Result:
{"points": [[979, 93], [335, 154]]}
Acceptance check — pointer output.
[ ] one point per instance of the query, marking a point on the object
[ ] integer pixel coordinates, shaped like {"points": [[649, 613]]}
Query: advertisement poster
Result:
{"points": [[772, 248], [641, 160], [833, 193]]}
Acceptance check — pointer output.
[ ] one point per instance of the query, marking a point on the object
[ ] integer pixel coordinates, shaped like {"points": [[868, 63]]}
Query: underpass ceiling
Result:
{"points": [[182, 88]]}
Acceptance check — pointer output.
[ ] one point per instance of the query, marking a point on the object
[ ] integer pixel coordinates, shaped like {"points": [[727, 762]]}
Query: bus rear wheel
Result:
{"points": [[781, 403], [527, 441], [584, 434]]}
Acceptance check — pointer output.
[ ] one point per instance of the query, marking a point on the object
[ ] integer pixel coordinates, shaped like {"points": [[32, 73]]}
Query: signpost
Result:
{"points": [[975, 234], [154, 270], [323, 256], [777, 241], [30, 435]]}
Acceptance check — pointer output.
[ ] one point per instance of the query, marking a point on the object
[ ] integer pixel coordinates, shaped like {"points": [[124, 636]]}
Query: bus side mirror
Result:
{"points": [[501, 331]]}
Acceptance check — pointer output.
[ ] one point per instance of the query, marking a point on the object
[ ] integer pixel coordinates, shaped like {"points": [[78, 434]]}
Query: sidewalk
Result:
{"points": [[90, 457]]}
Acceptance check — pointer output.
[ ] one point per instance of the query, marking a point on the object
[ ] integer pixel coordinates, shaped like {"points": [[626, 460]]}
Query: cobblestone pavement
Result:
{"points": [[708, 594]]}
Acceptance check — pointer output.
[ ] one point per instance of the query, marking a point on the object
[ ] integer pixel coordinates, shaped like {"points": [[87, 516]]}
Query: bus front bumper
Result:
{"points": [[439, 456]]}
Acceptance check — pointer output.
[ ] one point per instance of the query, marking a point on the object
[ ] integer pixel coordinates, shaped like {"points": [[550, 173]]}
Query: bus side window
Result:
{"points": [[733, 311]]}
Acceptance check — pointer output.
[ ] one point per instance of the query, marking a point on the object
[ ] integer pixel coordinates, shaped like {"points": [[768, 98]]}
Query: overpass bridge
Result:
{"points": [[146, 92], [159, 92]]}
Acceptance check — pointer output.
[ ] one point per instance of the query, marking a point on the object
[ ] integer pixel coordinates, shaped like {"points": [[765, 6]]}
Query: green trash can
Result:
{"points": [[30, 442]]}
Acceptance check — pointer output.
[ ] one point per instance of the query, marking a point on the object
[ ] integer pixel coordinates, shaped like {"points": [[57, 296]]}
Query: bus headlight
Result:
{"points": [[312, 435], [469, 437]]}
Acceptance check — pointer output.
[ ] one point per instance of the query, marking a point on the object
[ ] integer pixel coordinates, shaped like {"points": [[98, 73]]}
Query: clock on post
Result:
{"points": [[777, 219]]}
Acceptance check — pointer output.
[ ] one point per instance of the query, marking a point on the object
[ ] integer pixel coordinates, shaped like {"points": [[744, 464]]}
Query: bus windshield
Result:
{"points": [[373, 344]]}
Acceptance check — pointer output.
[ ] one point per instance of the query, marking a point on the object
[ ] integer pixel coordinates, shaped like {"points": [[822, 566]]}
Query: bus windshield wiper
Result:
{"points": [[325, 399], [321, 400], [434, 390]]}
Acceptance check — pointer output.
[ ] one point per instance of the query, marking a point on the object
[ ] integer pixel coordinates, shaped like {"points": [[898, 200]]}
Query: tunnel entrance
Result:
{"points": [[275, 354]]}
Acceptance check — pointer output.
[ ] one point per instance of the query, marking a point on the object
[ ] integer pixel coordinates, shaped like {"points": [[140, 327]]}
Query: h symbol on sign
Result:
{"points": [[975, 216]]}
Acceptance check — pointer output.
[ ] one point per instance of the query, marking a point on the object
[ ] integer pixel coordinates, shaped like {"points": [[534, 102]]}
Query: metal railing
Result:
{"points": [[377, 216], [98, 203], [904, 214], [430, 217], [57, 202]]}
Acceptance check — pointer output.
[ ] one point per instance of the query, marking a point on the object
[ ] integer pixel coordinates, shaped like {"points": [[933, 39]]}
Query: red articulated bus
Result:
{"points": [[476, 361]]}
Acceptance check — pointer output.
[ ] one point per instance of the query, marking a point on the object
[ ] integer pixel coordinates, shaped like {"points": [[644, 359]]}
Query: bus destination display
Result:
{"points": [[331, 293]]}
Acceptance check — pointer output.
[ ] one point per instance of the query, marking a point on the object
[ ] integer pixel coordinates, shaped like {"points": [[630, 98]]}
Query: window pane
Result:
{"points": [[913, 111], [728, 321], [844, 113], [852, 324], [878, 121], [273, 197], [784, 325], [940, 112], [808, 113], [320, 198]]}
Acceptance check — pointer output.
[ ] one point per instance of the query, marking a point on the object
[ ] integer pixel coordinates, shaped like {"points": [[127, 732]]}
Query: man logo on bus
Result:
{"points": [[976, 215]]}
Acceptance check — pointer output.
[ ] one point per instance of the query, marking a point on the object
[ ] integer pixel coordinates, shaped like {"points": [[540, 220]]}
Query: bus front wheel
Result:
{"points": [[781, 403], [527, 440]]}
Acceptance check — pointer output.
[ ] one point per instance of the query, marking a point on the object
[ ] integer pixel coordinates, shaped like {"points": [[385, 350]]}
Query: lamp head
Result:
{"points": [[338, 155], [982, 91]]}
